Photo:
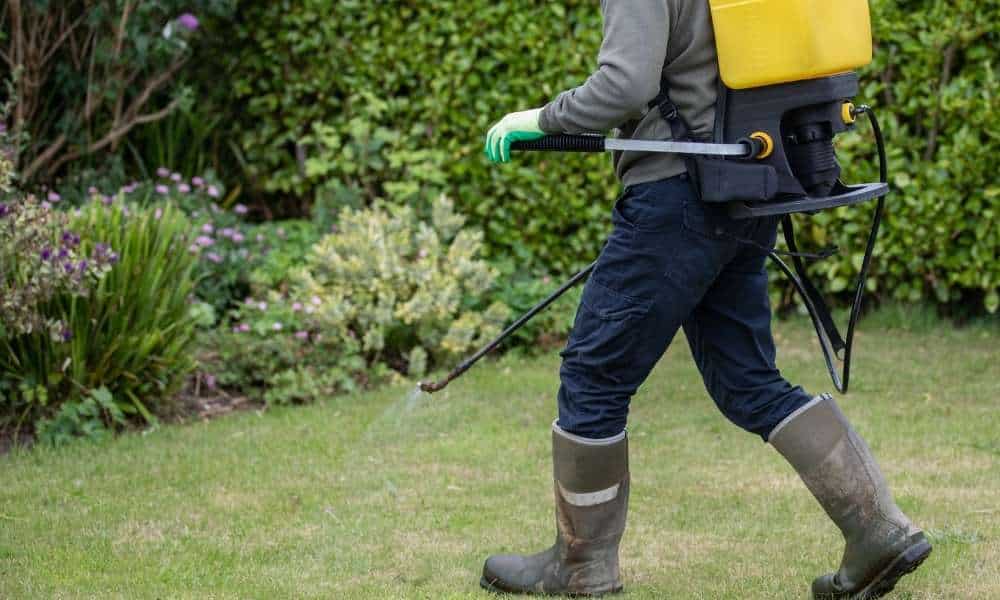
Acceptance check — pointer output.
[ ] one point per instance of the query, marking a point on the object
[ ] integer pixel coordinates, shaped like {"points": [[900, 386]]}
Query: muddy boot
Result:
{"points": [[837, 467], [591, 489]]}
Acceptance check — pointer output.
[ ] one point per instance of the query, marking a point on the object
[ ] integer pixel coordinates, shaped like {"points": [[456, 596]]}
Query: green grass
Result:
{"points": [[371, 496]]}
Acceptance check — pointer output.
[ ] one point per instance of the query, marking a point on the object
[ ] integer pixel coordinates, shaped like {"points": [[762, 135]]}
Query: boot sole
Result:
{"points": [[904, 564], [496, 587]]}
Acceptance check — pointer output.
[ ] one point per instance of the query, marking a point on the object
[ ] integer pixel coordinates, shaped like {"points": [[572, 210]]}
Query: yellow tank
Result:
{"points": [[764, 42]]}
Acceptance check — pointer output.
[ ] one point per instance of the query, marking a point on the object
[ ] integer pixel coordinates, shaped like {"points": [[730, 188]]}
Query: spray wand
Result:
{"points": [[465, 365]]}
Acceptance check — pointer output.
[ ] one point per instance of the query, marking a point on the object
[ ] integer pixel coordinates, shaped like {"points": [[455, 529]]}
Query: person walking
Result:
{"points": [[673, 262]]}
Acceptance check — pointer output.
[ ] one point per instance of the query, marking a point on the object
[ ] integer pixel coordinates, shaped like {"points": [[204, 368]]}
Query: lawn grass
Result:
{"points": [[380, 496]]}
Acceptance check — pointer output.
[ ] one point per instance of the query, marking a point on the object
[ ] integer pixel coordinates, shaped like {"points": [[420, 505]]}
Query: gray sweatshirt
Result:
{"points": [[645, 41]]}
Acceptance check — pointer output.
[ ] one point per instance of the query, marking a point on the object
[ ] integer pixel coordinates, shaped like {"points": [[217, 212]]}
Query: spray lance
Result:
{"points": [[771, 152]]}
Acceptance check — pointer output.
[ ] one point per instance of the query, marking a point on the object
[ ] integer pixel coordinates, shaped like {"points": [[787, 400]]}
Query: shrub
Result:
{"points": [[89, 72], [380, 99], [131, 334], [385, 294], [41, 259]]}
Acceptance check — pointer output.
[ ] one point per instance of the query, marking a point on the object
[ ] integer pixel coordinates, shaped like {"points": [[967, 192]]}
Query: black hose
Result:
{"points": [[830, 347]]}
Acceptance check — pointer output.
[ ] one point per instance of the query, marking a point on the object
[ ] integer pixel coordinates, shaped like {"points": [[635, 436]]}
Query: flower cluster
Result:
{"points": [[39, 260]]}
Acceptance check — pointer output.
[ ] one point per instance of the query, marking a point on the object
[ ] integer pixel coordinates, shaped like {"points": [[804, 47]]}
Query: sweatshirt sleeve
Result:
{"points": [[628, 76]]}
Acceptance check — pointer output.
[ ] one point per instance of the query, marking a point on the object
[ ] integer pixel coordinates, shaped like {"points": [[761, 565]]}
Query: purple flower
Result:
{"points": [[163, 172], [176, 178], [82, 266], [158, 214], [240, 209], [45, 205], [46, 254], [316, 300], [213, 192], [66, 334], [70, 239], [108, 200], [227, 232], [4, 210], [297, 307], [63, 253], [69, 267], [194, 249], [184, 188], [302, 335], [113, 258], [54, 197], [188, 21], [204, 241], [212, 256], [244, 327], [238, 238], [207, 229], [198, 182], [162, 190]]}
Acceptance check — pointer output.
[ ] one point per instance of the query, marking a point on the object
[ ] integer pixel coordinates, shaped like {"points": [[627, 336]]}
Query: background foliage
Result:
{"points": [[434, 76]]}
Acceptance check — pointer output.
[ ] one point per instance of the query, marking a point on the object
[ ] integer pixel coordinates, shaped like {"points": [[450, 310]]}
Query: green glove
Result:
{"points": [[515, 127]]}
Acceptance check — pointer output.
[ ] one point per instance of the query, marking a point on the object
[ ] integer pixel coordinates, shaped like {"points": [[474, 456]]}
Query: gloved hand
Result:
{"points": [[515, 127]]}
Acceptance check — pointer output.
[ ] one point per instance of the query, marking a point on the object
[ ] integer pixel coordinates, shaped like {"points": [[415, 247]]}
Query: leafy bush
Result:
{"points": [[40, 259], [339, 101], [386, 293], [132, 334], [88, 72]]}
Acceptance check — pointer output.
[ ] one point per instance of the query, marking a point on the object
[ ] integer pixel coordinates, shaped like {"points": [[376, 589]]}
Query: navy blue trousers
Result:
{"points": [[673, 261]]}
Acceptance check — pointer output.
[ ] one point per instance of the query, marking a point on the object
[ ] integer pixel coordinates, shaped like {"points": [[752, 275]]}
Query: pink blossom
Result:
{"points": [[108, 200], [198, 182], [297, 307], [194, 249], [162, 190], [204, 241], [158, 214], [316, 301], [184, 188], [302, 335], [188, 21], [240, 209], [213, 192], [163, 172], [176, 178], [210, 381], [238, 238], [262, 306], [244, 327], [212, 256], [207, 229], [46, 205], [92, 191], [54, 197]]}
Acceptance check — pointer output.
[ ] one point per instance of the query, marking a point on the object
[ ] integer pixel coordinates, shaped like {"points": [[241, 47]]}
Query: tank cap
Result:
{"points": [[847, 112]]}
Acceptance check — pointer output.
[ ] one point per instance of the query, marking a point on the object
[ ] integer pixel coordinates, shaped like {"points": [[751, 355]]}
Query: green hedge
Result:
{"points": [[344, 101]]}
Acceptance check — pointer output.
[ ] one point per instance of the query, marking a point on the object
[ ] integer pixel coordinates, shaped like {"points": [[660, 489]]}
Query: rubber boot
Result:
{"points": [[837, 467], [591, 490]]}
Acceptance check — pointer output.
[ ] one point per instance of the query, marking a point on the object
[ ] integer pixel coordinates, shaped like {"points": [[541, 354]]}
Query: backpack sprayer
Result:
{"points": [[786, 86]]}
